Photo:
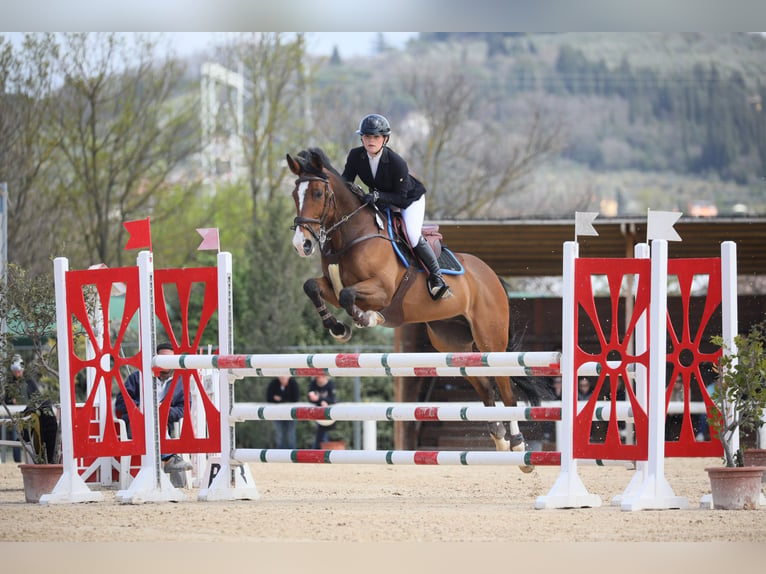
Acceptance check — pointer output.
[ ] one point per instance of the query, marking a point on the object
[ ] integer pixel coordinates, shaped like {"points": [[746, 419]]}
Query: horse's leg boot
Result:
{"points": [[436, 285]]}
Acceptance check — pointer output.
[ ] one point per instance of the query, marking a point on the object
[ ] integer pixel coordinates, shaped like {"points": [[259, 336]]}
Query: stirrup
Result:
{"points": [[438, 291]]}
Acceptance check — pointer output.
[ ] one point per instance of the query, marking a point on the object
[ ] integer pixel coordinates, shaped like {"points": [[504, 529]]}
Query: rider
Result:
{"points": [[390, 184]]}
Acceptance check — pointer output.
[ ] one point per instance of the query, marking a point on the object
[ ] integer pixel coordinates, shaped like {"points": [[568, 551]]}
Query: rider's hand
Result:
{"points": [[371, 197]]}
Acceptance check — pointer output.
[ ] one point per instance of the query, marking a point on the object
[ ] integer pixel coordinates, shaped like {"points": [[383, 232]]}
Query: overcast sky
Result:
{"points": [[349, 44]]}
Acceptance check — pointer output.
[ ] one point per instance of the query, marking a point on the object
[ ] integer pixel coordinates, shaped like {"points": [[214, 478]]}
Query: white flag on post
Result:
{"points": [[659, 225], [210, 238], [583, 223]]}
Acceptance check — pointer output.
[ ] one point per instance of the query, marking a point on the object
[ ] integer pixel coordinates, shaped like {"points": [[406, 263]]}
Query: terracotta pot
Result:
{"points": [[40, 479], [736, 488], [755, 457], [333, 445]]}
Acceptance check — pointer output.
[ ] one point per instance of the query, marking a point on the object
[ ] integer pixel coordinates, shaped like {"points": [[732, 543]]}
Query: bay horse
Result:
{"points": [[362, 274]]}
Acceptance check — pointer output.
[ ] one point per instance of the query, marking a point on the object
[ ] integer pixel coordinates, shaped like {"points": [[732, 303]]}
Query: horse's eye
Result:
{"points": [[318, 193]]}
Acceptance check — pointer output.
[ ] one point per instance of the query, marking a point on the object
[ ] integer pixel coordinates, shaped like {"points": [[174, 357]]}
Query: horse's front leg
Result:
{"points": [[372, 295], [319, 290]]}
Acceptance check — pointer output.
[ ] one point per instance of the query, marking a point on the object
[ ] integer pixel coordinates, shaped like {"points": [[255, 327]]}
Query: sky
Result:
{"points": [[351, 15], [350, 44]]}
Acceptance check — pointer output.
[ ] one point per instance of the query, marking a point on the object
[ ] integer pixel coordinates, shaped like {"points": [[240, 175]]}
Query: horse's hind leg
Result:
{"points": [[515, 437], [488, 337], [338, 330]]}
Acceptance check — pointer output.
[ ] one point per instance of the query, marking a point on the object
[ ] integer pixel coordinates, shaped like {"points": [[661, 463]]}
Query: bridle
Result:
{"points": [[329, 207]]}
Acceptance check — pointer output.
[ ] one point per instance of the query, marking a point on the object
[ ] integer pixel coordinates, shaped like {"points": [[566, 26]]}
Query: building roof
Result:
{"points": [[517, 248]]}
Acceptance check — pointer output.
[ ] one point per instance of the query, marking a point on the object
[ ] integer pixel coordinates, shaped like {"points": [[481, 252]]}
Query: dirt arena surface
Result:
{"points": [[394, 508]]}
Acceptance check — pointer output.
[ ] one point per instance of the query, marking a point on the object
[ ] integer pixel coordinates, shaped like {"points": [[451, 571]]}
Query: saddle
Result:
{"points": [[430, 234], [398, 232]]}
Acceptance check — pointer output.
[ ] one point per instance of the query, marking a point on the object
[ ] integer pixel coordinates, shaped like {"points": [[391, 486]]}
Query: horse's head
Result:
{"points": [[314, 201]]}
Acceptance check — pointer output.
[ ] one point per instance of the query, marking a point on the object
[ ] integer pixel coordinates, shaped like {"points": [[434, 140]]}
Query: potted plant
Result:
{"points": [[27, 304], [739, 396]]}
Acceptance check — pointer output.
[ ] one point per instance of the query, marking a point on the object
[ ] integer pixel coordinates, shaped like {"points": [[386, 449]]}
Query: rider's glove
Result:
{"points": [[372, 197]]}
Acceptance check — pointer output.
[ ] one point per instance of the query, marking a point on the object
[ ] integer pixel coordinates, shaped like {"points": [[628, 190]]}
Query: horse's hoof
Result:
{"points": [[344, 336], [526, 469], [517, 443]]}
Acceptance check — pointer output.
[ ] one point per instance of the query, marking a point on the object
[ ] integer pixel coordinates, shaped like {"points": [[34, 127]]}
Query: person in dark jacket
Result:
{"points": [[283, 390], [28, 393], [322, 394], [388, 179], [171, 462]]}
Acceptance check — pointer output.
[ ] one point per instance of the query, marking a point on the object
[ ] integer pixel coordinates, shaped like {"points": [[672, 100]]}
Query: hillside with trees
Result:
{"points": [[633, 120]]}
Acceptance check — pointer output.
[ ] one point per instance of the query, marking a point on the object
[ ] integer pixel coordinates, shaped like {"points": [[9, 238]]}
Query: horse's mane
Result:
{"points": [[323, 160]]}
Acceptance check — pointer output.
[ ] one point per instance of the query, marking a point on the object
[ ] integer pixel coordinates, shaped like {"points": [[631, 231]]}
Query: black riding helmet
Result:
{"points": [[374, 125]]}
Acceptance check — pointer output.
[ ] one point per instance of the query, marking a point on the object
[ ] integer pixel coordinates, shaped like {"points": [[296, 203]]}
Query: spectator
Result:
{"points": [[283, 389], [27, 392], [171, 463], [322, 394], [584, 389]]}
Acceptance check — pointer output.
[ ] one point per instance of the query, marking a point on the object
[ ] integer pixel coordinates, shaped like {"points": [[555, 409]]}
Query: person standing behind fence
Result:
{"points": [[28, 393], [322, 394], [172, 464], [283, 389]]}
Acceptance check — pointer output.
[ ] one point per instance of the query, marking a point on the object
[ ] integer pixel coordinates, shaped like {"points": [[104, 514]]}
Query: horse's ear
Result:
{"points": [[293, 164], [316, 157]]}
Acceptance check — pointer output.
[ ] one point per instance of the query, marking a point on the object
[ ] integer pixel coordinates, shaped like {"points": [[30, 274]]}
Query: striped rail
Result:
{"points": [[410, 457], [517, 364], [412, 412]]}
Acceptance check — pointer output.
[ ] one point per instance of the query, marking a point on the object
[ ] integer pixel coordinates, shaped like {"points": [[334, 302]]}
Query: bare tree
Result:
{"points": [[122, 126], [277, 108], [472, 163], [26, 149]]}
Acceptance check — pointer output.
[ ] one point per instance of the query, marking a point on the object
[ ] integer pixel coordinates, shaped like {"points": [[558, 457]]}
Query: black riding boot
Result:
{"points": [[436, 285]]}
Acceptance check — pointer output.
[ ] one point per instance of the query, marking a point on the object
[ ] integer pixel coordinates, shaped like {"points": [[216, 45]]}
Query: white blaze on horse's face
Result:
{"points": [[301, 238]]}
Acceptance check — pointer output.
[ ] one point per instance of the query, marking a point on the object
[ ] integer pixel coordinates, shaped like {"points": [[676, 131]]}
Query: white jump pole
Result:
{"points": [[360, 363], [729, 311], [655, 492], [70, 487], [640, 251], [730, 328], [568, 491], [151, 484], [229, 483]]}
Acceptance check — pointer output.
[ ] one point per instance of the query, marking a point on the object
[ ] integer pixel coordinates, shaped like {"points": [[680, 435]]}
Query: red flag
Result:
{"points": [[210, 238], [140, 234]]}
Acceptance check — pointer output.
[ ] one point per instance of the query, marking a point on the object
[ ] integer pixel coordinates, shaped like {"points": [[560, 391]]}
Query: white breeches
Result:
{"points": [[413, 219]]}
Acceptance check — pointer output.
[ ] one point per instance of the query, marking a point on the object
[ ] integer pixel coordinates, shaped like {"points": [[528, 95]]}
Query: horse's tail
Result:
{"points": [[534, 389]]}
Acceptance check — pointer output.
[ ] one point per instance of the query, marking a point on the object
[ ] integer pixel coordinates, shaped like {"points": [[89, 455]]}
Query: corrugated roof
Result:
{"points": [[534, 247]]}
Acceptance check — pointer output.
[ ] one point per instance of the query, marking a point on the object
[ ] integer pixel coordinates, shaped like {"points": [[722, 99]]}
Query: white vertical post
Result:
{"points": [[369, 435], [568, 490], [97, 321], [70, 487], [641, 383], [229, 483], [729, 330], [151, 484], [655, 492], [730, 318]]}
